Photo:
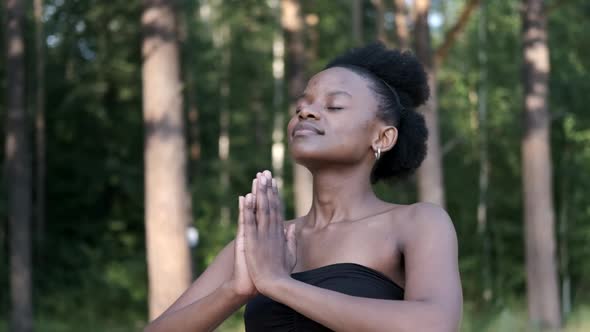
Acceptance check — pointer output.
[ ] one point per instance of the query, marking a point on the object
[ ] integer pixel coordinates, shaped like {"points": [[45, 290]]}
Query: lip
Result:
{"points": [[304, 128]]}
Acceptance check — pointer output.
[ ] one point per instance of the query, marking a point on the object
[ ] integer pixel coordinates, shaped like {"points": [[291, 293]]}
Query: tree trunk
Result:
{"points": [[167, 209], [401, 24], [193, 138], [221, 37], [443, 50], [484, 168], [18, 172], [380, 21], [313, 35], [357, 21], [278, 73], [430, 177], [542, 285], [40, 122], [566, 299], [292, 23]]}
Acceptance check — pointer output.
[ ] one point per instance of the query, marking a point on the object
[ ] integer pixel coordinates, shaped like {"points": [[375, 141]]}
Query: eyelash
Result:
{"points": [[298, 109]]}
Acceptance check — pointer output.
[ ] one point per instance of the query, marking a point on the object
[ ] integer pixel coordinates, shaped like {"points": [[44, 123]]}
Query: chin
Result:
{"points": [[313, 159], [306, 155]]}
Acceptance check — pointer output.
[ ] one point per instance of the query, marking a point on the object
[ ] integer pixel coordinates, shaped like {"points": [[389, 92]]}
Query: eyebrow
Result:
{"points": [[339, 92], [331, 93]]}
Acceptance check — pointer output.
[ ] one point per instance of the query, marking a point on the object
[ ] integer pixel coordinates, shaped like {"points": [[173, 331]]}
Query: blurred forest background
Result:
{"points": [[123, 116]]}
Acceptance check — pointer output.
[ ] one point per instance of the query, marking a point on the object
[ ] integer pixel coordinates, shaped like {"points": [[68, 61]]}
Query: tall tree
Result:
{"points": [[430, 177], [39, 121], [292, 23], [380, 21], [357, 21], [167, 209], [542, 285], [401, 24], [483, 147], [278, 74], [18, 171], [221, 38], [430, 174]]}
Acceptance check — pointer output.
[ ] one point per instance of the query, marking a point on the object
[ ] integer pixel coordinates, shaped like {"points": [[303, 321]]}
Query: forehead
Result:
{"points": [[338, 78]]}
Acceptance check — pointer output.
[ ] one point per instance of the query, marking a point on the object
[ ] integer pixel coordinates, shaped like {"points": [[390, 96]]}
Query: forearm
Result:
{"points": [[202, 315], [341, 312]]}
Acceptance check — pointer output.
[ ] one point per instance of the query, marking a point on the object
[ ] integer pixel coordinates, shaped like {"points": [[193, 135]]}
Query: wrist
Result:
{"points": [[272, 286], [229, 287]]}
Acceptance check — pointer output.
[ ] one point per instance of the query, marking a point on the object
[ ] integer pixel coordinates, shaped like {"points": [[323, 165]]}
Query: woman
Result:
{"points": [[354, 262]]}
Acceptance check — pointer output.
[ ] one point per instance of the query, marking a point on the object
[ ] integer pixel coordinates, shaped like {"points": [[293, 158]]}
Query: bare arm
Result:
{"points": [[207, 302], [433, 297]]}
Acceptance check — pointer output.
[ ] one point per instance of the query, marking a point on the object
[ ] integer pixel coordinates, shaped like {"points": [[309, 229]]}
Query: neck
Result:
{"points": [[338, 195]]}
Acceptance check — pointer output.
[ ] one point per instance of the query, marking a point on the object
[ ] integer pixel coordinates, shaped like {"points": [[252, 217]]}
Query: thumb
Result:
{"points": [[240, 232], [291, 239]]}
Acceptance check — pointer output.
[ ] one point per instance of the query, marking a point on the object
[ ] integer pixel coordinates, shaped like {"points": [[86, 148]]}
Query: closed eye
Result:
{"points": [[334, 108]]}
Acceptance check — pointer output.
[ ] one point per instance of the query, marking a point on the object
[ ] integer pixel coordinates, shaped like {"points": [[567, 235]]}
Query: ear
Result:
{"points": [[386, 138]]}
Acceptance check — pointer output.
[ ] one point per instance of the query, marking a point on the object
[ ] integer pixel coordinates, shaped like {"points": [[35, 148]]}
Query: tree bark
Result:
{"points": [[443, 50], [167, 209], [430, 174], [221, 37], [292, 23], [380, 21], [40, 122], [278, 73], [401, 24], [542, 285], [430, 177], [484, 168], [18, 172]]}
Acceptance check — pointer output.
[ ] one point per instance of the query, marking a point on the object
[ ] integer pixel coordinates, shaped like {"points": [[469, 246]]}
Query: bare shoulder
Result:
{"points": [[426, 220]]}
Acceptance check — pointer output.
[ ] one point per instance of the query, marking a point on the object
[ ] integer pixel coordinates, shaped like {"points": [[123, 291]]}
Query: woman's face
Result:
{"points": [[335, 119]]}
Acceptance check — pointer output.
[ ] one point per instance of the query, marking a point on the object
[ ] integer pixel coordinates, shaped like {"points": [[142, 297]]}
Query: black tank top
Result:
{"points": [[265, 315]]}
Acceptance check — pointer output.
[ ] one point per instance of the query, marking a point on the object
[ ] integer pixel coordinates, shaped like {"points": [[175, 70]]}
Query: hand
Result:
{"points": [[241, 282], [270, 249]]}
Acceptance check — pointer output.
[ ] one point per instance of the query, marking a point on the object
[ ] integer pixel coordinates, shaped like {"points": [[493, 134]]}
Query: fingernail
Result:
{"points": [[263, 180]]}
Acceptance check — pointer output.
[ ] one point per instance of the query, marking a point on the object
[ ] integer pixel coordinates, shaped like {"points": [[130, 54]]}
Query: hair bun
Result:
{"points": [[401, 70]]}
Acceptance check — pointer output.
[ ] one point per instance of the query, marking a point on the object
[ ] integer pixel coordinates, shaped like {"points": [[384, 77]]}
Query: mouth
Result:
{"points": [[306, 128]]}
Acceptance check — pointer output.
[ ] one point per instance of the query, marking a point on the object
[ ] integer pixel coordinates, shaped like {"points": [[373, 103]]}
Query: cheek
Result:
{"points": [[358, 131], [351, 138], [290, 126]]}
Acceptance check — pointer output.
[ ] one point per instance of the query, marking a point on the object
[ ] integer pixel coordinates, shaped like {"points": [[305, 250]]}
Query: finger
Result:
{"points": [[267, 173], [272, 210], [292, 242], [279, 201], [239, 241], [240, 232], [248, 217], [273, 219], [254, 185], [262, 208], [291, 239]]}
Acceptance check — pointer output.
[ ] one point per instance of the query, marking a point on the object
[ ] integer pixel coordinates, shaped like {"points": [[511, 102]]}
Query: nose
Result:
{"points": [[307, 112]]}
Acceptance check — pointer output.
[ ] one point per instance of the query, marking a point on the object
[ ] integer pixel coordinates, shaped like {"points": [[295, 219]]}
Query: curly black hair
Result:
{"points": [[400, 83]]}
